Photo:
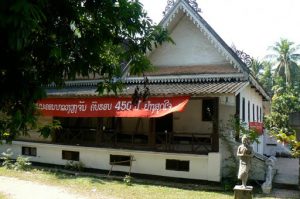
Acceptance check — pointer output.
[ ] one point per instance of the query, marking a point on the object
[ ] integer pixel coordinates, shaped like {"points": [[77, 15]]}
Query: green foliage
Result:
{"points": [[241, 128], [285, 56], [49, 129], [128, 180], [74, 165], [229, 183], [22, 163], [7, 160], [266, 78], [45, 42], [284, 84], [256, 67], [284, 103]]}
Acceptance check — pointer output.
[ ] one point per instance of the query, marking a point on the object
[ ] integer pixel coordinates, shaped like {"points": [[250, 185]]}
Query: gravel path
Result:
{"points": [[21, 189]]}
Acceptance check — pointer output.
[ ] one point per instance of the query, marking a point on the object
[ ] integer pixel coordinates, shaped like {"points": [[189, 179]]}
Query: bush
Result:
{"points": [[7, 160], [128, 180], [74, 165], [229, 183], [22, 163]]}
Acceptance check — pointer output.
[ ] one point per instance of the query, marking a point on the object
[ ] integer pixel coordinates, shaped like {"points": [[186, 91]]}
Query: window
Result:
{"points": [[253, 112], [207, 109], [29, 151], [257, 113], [122, 160], [260, 114], [237, 106], [177, 165], [70, 155], [243, 110], [248, 111]]}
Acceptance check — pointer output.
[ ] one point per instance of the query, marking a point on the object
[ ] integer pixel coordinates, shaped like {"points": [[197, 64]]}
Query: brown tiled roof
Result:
{"points": [[193, 89], [187, 70]]}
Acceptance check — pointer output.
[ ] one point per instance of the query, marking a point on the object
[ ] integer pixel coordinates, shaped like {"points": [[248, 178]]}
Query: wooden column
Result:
{"points": [[151, 138], [99, 131], [215, 135], [237, 117]]}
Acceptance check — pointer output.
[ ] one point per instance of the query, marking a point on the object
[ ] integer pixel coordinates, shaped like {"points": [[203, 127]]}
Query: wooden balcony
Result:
{"points": [[183, 142]]}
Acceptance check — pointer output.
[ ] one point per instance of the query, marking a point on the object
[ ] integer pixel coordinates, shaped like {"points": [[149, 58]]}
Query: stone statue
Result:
{"points": [[270, 172], [245, 153]]}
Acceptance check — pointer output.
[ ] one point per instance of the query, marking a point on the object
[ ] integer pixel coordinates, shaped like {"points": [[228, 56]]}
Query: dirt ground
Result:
{"points": [[14, 188]]}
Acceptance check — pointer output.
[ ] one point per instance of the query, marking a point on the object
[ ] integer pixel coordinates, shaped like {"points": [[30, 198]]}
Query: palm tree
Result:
{"points": [[266, 78], [286, 57], [256, 67]]}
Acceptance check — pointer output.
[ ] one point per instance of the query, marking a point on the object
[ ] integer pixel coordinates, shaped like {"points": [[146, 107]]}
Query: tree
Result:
{"points": [[284, 103], [285, 90], [286, 57], [266, 78], [256, 67], [45, 41]]}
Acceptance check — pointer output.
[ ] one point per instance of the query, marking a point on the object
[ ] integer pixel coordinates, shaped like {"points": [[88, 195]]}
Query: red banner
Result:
{"points": [[111, 107], [257, 126]]}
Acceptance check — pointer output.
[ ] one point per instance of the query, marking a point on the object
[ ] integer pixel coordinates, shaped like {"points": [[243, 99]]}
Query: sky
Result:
{"points": [[250, 25]]}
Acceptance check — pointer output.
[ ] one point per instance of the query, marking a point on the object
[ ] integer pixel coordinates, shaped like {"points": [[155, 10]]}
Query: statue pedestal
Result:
{"points": [[241, 192]]}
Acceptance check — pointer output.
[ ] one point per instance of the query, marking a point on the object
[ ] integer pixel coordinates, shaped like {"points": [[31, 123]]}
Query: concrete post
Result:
{"points": [[294, 120], [241, 192]]}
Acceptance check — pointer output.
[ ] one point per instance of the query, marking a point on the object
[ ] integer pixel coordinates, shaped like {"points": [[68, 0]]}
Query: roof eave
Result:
{"points": [[258, 86]]}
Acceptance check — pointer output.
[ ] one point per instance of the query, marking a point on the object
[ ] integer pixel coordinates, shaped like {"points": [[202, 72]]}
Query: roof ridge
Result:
{"points": [[207, 30]]}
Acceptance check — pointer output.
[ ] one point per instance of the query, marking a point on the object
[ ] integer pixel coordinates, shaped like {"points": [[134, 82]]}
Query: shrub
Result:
{"points": [[229, 183], [6, 158], [22, 163], [128, 180], [74, 165]]}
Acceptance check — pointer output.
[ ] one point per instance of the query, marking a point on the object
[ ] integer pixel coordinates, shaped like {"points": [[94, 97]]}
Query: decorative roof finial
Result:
{"points": [[247, 59], [170, 4], [194, 4]]}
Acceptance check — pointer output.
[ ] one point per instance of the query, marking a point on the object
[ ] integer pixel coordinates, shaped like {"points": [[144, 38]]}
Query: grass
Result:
{"points": [[3, 196], [140, 189]]}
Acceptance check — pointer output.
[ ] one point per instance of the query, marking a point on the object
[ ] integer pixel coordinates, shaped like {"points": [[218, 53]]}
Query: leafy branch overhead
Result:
{"points": [[47, 41]]}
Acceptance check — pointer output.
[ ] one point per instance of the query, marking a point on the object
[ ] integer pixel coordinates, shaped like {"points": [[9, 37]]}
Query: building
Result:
{"points": [[199, 84]]}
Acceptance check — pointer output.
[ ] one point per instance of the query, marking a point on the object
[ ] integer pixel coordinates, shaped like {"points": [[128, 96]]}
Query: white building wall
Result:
{"points": [[226, 110], [202, 167], [250, 95], [191, 48], [190, 121]]}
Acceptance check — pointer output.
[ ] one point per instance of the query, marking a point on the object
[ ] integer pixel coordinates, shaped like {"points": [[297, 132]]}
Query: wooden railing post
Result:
{"points": [[215, 135]]}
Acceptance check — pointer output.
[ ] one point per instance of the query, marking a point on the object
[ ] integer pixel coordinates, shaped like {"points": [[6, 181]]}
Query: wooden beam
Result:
{"points": [[151, 138], [215, 135], [99, 131]]}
